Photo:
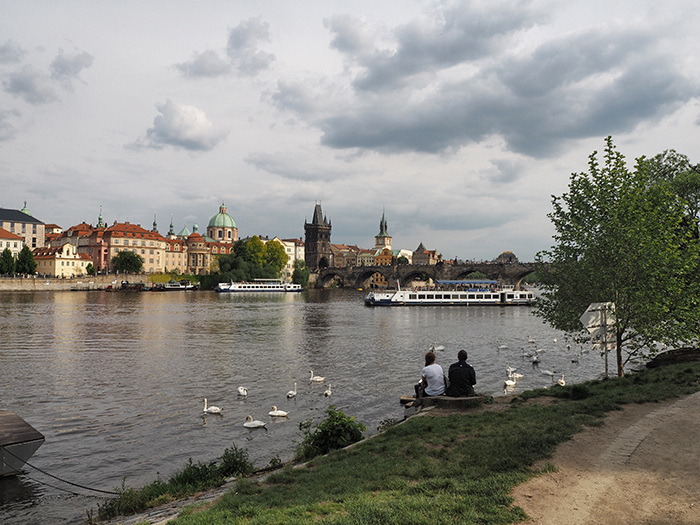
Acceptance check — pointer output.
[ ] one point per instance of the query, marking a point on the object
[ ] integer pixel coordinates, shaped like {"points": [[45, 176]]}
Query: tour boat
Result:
{"points": [[258, 285], [174, 286], [479, 292], [18, 442]]}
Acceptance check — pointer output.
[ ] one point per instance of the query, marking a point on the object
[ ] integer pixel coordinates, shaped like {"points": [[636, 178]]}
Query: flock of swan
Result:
{"points": [[275, 412], [510, 383]]}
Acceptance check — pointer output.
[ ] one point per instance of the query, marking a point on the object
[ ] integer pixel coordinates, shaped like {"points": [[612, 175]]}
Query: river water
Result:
{"points": [[116, 381]]}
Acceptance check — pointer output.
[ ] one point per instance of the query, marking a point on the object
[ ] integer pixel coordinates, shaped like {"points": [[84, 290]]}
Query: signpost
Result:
{"points": [[597, 318]]}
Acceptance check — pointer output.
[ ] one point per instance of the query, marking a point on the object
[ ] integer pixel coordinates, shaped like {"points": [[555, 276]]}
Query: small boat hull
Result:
{"points": [[18, 442]]}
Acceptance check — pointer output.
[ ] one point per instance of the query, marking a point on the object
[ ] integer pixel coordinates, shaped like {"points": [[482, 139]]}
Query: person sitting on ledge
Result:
{"points": [[432, 381], [462, 377]]}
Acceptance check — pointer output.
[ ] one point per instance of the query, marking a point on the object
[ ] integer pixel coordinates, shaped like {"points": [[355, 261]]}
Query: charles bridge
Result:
{"points": [[359, 276]]}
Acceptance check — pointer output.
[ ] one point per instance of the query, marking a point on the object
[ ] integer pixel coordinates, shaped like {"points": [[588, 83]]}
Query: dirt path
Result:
{"points": [[641, 467]]}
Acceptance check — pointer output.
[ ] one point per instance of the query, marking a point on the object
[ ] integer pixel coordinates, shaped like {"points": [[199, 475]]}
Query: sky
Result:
{"points": [[458, 120]]}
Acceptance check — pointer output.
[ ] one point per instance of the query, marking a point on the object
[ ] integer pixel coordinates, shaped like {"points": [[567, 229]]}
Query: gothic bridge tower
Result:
{"points": [[318, 241]]}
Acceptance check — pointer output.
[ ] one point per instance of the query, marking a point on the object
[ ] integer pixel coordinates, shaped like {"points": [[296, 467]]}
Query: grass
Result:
{"points": [[433, 470]]}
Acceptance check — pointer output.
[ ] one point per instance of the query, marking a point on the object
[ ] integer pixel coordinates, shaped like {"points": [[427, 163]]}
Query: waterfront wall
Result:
{"points": [[87, 282]]}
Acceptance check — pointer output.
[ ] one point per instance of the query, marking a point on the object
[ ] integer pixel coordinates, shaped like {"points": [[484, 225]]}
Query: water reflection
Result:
{"points": [[116, 382]]}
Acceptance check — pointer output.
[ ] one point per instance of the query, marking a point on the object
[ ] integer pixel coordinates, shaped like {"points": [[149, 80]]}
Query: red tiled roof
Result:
{"points": [[4, 234]]}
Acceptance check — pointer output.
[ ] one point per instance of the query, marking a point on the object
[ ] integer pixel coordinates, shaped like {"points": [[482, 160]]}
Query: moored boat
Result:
{"points": [[258, 285], [183, 285], [18, 442], [478, 292]]}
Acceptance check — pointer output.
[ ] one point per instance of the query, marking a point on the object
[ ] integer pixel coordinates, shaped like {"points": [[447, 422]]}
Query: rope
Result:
{"points": [[59, 479]]}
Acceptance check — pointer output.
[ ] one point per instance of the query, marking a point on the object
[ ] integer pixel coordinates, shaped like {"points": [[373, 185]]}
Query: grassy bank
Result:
{"points": [[454, 469]]}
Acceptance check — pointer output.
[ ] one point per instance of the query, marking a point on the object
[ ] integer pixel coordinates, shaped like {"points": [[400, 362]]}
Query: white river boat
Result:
{"points": [[454, 293], [258, 285]]}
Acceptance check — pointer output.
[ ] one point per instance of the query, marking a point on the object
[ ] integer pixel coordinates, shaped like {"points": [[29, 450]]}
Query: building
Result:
{"points": [[317, 241], [11, 241], [123, 236], [294, 248], [507, 257], [344, 255], [423, 256], [21, 222], [61, 261], [382, 239], [384, 257], [222, 227]]}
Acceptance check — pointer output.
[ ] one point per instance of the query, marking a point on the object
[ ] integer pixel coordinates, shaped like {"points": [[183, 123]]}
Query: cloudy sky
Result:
{"points": [[458, 119]]}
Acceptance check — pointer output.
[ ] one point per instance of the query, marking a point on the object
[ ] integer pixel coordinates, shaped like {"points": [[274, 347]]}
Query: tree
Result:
{"points": [[7, 262], [90, 269], [301, 273], [275, 255], [127, 262], [402, 260], [622, 237], [25, 261]]}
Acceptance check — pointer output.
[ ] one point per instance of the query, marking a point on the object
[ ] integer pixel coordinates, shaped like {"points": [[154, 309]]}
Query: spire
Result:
{"points": [[171, 231], [100, 220], [383, 226], [155, 224]]}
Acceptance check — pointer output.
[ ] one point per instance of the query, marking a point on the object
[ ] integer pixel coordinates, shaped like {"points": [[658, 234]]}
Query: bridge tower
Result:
{"points": [[318, 241], [383, 239]]}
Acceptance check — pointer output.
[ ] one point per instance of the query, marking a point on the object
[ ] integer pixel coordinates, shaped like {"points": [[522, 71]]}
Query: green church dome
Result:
{"points": [[222, 219]]}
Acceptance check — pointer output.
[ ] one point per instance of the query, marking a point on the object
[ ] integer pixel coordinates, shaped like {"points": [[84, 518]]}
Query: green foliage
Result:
{"points": [[25, 261], [127, 262], [90, 269], [250, 260], [7, 262], [402, 260], [623, 237], [336, 431], [301, 273], [190, 479]]}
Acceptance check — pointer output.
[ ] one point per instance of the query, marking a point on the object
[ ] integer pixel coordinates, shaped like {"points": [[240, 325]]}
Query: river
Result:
{"points": [[116, 381]]}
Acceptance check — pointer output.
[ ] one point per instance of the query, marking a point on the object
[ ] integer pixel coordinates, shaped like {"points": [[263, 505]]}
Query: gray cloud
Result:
{"points": [[66, 68], [587, 84], [296, 167], [31, 85], [181, 126], [206, 64], [11, 52], [7, 130], [243, 41]]}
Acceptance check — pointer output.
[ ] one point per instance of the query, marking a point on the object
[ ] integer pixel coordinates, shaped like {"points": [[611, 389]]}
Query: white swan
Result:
{"points": [[509, 383], [549, 373], [434, 347], [501, 346], [242, 391], [510, 369], [328, 392], [562, 382], [531, 340], [211, 410], [292, 393], [516, 376], [278, 413], [250, 423], [316, 379]]}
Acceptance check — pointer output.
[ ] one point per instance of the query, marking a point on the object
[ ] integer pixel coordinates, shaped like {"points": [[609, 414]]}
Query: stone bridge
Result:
{"points": [[359, 276]]}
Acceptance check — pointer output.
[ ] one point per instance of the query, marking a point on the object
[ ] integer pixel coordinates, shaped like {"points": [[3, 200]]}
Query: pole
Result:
{"points": [[605, 338]]}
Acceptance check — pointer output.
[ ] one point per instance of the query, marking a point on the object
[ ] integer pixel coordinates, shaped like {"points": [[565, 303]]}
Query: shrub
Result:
{"points": [[334, 432], [235, 461]]}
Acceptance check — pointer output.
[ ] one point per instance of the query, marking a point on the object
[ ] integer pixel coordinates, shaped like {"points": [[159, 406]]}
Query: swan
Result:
{"points": [[554, 340], [278, 413], [250, 423], [328, 392], [510, 369], [509, 383], [501, 346], [211, 410], [562, 382], [515, 375], [242, 391], [316, 379], [549, 373], [434, 347], [535, 359], [531, 340], [292, 393]]}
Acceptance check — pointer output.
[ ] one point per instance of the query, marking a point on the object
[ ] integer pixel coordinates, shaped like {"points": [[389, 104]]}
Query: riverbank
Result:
{"points": [[466, 467]]}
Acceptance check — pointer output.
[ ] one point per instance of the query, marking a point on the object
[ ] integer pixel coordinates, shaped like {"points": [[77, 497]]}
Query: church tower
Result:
{"points": [[317, 252], [383, 239]]}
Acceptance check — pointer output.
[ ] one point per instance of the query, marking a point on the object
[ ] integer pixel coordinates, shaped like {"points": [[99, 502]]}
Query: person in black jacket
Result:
{"points": [[462, 377]]}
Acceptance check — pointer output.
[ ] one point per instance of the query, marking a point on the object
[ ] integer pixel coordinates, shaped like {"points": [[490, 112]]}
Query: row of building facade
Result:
{"points": [[67, 253]]}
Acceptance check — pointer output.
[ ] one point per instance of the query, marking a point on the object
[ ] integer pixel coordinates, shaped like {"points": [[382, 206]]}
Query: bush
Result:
{"points": [[334, 432], [235, 461]]}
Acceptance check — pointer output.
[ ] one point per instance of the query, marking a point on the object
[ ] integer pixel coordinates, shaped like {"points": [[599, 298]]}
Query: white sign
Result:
{"points": [[598, 317]]}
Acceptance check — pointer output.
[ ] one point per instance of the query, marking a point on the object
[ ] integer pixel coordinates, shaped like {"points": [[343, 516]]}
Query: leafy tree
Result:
{"points": [[7, 262], [402, 260], [90, 269], [127, 262], [256, 250], [622, 237], [301, 273], [25, 261], [275, 255]]}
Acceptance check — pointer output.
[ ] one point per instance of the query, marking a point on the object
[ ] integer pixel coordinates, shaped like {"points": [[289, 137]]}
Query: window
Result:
{"points": [[151, 243], [151, 251]]}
